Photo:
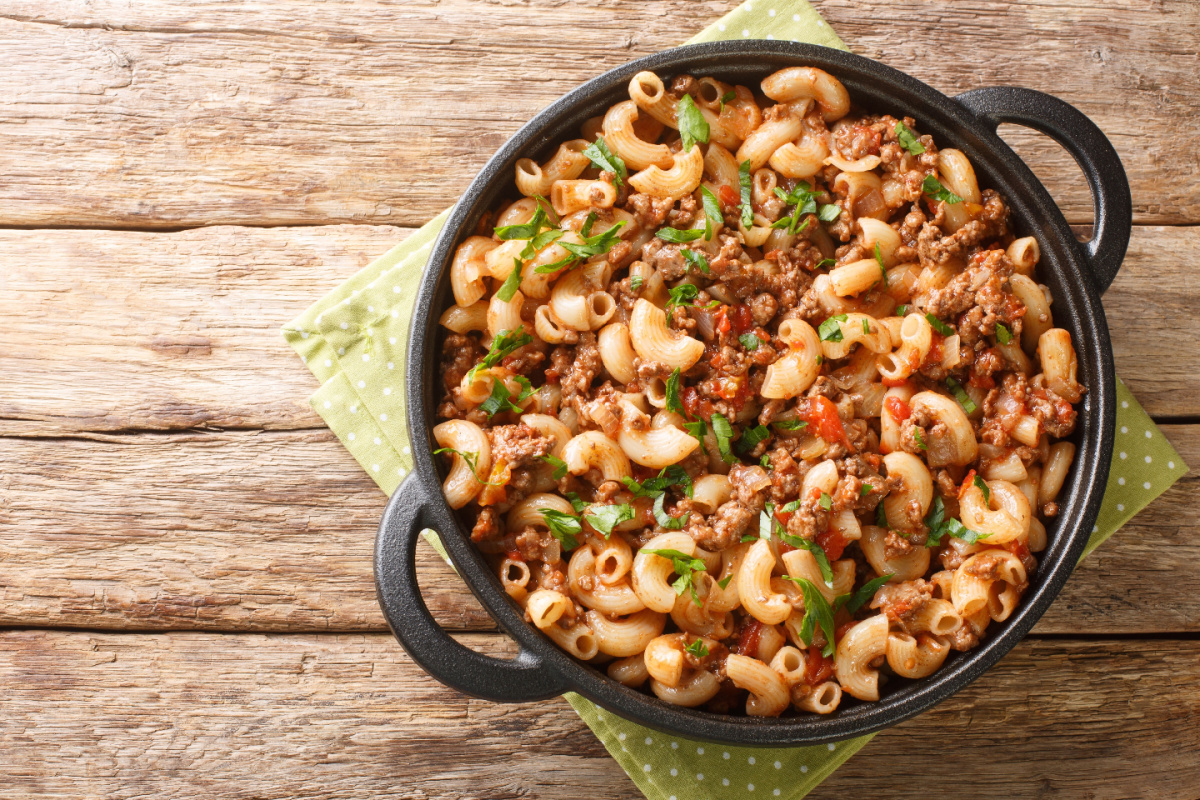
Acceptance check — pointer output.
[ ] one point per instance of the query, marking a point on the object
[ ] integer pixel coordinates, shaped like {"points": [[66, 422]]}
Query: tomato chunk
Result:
{"points": [[822, 417], [897, 408], [728, 197], [817, 668], [832, 542]]}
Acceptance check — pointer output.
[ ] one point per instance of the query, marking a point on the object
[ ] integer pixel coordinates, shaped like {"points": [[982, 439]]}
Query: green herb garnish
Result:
{"points": [[933, 187], [604, 159], [908, 140]]}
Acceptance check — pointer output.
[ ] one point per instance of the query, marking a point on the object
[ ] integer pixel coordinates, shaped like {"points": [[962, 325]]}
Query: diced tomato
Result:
{"points": [[552, 376], [967, 482], [1018, 548], [743, 320], [822, 417], [515, 555], [934, 356], [728, 197], [840, 630], [897, 408], [832, 542], [694, 404], [782, 516], [748, 639], [981, 381], [817, 668], [721, 320]]}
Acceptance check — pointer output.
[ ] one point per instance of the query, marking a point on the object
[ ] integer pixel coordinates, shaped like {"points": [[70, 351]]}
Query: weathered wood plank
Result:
{"points": [[202, 715], [143, 115], [150, 331], [273, 532], [120, 330]]}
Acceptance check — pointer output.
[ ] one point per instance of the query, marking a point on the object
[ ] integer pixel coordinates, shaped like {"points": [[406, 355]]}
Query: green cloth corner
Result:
{"points": [[355, 339]]}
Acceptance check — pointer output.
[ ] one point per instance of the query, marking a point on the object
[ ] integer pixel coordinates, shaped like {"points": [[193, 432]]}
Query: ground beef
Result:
{"points": [[460, 352], [1057, 415], [577, 374], [518, 445], [861, 139], [901, 602], [963, 638], [487, 525], [750, 485], [682, 216], [786, 476], [730, 522], [795, 275], [935, 248], [808, 520], [984, 566], [538, 545], [650, 212], [666, 258], [983, 293], [763, 307]]}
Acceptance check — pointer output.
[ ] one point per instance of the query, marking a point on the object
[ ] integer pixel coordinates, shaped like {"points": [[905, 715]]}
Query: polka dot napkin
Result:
{"points": [[354, 341]]}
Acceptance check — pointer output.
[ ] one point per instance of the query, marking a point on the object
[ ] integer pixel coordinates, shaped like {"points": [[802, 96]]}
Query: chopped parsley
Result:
{"points": [[825, 262], [682, 295], [940, 525], [725, 98], [699, 430], [879, 261], [560, 466], [503, 344], [697, 649], [576, 502], [673, 475], [983, 487], [564, 527], [696, 260], [509, 287], [961, 396], [1003, 334], [881, 516], [908, 140], [501, 400], [803, 201], [606, 159], [712, 212], [526, 230], [724, 433], [919, 439], [635, 283], [470, 457], [865, 490], [685, 566], [769, 524], [672, 393], [933, 187], [829, 212], [790, 424], [830, 330], [866, 326], [605, 518], [745, 183], [693, 128], [765, 461], [901, 310], [938, 325], [751, 438], [854, 601], [537, 243], [666, 520], [749, 341], [586, 228], [724, 582], [592, 246], [816, 612], [677, 236], [825, 501]]}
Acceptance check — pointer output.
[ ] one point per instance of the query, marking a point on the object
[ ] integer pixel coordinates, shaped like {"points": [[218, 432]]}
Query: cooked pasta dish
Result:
{"points": [[754, 399]]}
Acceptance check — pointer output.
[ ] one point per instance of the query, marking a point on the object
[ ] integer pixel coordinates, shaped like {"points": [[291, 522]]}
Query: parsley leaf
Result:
{"points": [[599, 154], [605, 518], [682, 295], [816, 611], [666, 520], [693, 128], [829, 212], [751, 437], [745, 183], [699, 430], [712, 212], [983, 487], [685, 566], [673, 475], [673, 401], [1003, 334], [725, 98], [470, 457], [830, 330], [919, 439], [940, 525], [560, 466], [901, 310], [789, 424], [635, 283], [501, 400], [539, 242], [864, 490], [803, 202], [825, 501], [769, 524], [825, 262], [576, 502], [585, 229], [677, 236], [933, 187], [503, 344], [866, 326], [881, 516], [724, 432], [509, 287], [854, 601], [564, 527], [724, 582], [697, 649], [879, 261], [961, 395], [749, 341], [696, 259], [938, 325], [765, 461], [525, 230], [908, 139], [592, 246]]}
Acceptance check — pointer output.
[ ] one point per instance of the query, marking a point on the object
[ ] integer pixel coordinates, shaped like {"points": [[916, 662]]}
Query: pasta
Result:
{"points": [[759, 407]]}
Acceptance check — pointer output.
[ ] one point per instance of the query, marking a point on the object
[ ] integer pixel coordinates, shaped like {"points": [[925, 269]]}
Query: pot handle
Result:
{"points": [[520, 679], [1111, 202]]}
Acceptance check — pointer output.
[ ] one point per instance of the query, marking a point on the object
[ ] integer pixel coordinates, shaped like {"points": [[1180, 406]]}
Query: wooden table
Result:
{"points": [[185, 550]]}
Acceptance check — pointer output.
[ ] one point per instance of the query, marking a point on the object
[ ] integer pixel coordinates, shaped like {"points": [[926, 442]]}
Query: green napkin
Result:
{"points": [[354, 340]]}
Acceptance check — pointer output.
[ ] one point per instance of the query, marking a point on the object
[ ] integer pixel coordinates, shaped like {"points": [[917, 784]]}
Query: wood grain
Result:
{"points": [[200, 716], [309, 111], [273, 531], [122, 330]]}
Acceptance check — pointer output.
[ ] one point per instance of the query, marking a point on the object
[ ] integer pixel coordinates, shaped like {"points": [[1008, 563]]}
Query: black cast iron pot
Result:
{"points": [[1077, 274]]}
